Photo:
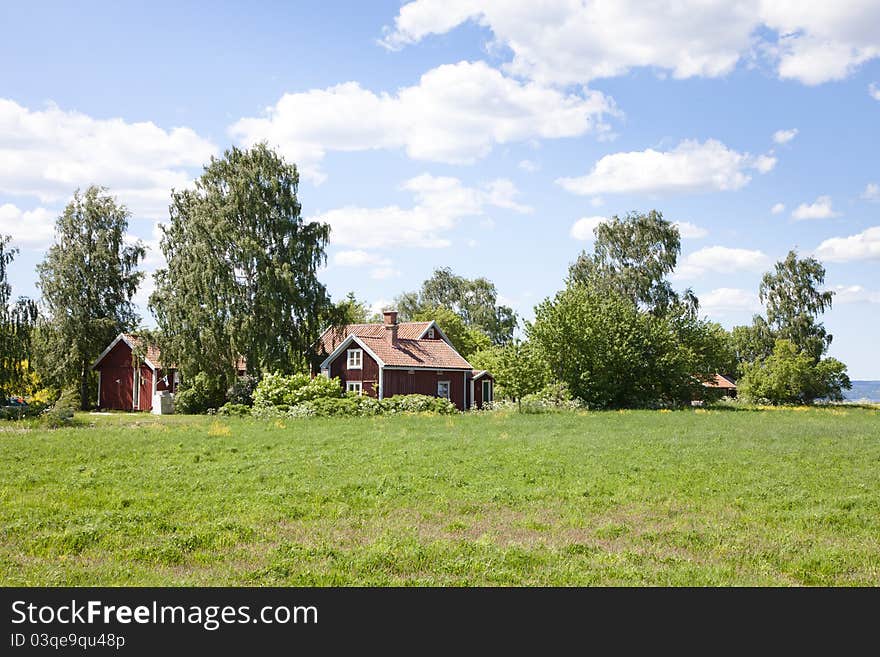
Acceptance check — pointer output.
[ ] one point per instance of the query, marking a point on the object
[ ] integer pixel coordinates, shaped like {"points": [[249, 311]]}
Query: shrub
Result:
{"points": [[60, 414], [352, 405], [242, 391], [419, 404], [552, 397], [236, 410], [198, 397], [276, 390]]}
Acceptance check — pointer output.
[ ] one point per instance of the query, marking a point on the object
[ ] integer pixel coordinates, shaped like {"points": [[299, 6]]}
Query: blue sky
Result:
{"points": [[487, 136]]}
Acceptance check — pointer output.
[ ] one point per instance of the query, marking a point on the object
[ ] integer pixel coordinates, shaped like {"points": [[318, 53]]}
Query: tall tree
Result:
{"points": [[466, 339], [474, 300], [633, 256], [87, 280], [794, 299], [241, 277], [16, 322]]}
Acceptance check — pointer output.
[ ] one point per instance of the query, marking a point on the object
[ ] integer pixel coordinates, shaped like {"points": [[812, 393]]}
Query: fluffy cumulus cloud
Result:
{"points": [[29, 229], [46, 154], [872, 192], [720, 260], [778, 208], [455, 114], [440, 203], [855, 294], [724, 300], [818, 209], [690, 231], [583, 229], [692, 166], [570, 41], [784, 136], [874, 91], [381, 267], [861, 246]]}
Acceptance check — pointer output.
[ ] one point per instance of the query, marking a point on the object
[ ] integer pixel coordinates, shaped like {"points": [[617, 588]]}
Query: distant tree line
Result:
{"points": [[241, 280]]}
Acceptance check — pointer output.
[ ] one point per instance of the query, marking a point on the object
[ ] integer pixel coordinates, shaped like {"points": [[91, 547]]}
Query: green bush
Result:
{"points": [[277, 390], [199, 396], [242, 391], [235, 410], [60, 414], [353, 405]]}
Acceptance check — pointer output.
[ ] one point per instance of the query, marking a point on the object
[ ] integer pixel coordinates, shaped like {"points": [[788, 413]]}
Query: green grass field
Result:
{"points": [[695, 497]]}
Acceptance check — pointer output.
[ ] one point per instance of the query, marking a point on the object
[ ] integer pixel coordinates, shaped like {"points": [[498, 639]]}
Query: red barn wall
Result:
{"points": [[424, 382], [368, 375], [117, 381]]}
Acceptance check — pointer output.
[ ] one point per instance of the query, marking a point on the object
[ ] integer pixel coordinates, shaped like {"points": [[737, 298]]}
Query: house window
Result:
{"points": [[443, 389], [487, 391], [355, 359], [355, 386], [430, 334]]}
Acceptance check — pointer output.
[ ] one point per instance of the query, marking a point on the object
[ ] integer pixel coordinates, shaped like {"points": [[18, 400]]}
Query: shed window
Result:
{"points": [[443, 389], [431, 334], [355, 386], [355, 359]]}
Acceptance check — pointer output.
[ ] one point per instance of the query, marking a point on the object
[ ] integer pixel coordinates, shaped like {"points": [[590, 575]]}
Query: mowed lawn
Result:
{"points": [[693, 497]]}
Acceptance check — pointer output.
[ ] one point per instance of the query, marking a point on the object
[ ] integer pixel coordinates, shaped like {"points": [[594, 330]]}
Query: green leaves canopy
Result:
{"points": [[88, 278], [16, 322], [242, 270]]}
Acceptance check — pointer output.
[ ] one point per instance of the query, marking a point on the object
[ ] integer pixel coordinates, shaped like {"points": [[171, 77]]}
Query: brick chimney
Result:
{"points": [[390, 326]]}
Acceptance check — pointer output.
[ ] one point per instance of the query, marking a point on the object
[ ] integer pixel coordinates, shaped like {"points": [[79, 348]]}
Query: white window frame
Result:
{"points": [[448, 385], [355, 386], [136, 388], [359, 354]]}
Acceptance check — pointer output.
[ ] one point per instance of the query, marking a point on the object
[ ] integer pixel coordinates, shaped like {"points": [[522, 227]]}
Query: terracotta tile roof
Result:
{"points": [[152, 351], [332, 337], [416, 353], [720, 381]]}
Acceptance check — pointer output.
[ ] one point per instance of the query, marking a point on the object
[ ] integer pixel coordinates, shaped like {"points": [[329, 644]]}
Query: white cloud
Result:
{"points": [[778, 208], [855, 294], [874, 91], [819, 209], [861, 246], [31, 228], [528, 165], [380, 305], [49, 153], [690, 231], [440, 202], [723, 300], [455, 114], [689, 167], [872, 192], [720, 260], [784, 136], [583, 228], [359, 258], [565, 42]]}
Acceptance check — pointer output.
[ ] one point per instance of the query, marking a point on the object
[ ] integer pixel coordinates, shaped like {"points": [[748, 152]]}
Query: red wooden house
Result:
{"points": [[130, 373], [383, 360]]}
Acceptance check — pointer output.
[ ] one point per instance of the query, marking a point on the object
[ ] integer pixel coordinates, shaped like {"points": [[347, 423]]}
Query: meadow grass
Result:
{"points": [[692, 497]]}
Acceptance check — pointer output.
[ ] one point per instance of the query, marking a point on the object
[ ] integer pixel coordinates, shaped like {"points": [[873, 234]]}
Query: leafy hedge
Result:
{"points": [[280, 391], [352, 405]]}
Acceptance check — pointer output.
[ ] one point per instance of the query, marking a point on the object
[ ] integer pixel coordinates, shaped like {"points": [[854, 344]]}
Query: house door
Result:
{"points": [[487, 391]]}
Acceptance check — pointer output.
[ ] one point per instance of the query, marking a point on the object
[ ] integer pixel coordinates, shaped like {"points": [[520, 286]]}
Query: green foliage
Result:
{"points": [[519, 368], [466, 339], [790, 376], [279, 390], [17, 320], [61, 413], [752, 343], [552, 398], [241, 278], [197, 395], [87, 280], [794, 298], [242, 390], [611, 354], [353, 405], [632, 257], [232, 409], [475, 301]]}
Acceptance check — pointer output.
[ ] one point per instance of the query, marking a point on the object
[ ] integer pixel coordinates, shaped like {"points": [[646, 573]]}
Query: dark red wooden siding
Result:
{"points": [[424, 382], [117, 381], [368, 375]]}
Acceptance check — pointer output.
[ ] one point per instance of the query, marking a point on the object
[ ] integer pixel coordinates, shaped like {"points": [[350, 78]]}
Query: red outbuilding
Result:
{"points": [[383, 360], [130, 373]]}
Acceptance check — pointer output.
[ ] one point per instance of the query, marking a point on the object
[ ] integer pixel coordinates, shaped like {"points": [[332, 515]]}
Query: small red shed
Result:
{"points": [[130, 373]]}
